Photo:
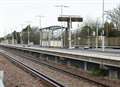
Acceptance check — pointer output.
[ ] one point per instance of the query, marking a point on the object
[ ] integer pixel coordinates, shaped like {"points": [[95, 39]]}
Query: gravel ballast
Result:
{"points": [[16, 77]]}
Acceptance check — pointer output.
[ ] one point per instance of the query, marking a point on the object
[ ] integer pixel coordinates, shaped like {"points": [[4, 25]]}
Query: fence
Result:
{"points": [[91, 41]]}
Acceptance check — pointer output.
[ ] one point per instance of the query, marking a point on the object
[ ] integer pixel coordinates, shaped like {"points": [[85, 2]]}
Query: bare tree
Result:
{"points": [[114, 16]]}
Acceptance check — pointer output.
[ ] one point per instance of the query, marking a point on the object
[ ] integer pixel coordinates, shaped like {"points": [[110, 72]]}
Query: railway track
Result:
{"points": [[47, 80], [30, 57]]}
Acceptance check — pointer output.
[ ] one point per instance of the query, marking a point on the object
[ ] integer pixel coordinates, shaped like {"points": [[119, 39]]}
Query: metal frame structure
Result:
{"points": [[49, 30]]}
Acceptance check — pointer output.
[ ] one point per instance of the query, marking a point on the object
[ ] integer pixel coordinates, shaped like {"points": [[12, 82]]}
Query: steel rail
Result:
{"points": [[37, 61], [33, 71]]}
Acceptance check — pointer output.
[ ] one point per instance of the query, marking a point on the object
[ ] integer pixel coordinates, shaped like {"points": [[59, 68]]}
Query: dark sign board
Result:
{"points": [[73, 19]]}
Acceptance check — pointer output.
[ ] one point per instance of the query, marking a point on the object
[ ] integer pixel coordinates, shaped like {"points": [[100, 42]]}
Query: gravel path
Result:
{"points": [[16, 77]]}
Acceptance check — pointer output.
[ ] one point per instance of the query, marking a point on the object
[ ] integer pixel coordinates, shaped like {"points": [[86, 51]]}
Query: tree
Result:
{"points": [[89, 28], [106, 28], [1, 39], [34, 34], [25, 33], [16, 36], [114, 16], [109, 28]]}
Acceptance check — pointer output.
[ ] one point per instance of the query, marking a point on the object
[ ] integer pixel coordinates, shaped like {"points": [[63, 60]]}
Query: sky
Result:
{"points": [[16, 14]]}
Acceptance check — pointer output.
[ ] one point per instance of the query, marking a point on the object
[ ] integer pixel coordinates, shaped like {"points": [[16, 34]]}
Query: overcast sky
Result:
{"points": [[15, 13]]}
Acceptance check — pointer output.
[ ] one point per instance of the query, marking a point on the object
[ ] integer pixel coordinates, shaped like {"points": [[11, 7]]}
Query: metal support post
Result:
{"points": [[69, 38], [68, 63], [61, 37], [28, 35], [88, 36], [49, 37], [97, 35], [85, 66], [13, 38], [103, 41]]}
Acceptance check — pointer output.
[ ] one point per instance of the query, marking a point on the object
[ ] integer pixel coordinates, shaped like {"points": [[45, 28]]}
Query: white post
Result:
{"points": [[13, 37], [56, 60], [40, 31], [70, 33], [28, 35], [103, 42], [88, 36], [21, 38], [85, 66], [61, 37], [49, 37], [1, 79], [97, 35], [21, 35], [1, 75], [61, 27]]}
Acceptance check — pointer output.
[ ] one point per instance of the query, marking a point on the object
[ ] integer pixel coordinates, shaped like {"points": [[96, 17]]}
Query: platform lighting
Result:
{"points": [[28, 35], [88, 35], [97, 24], [103, 39], [12, 37], [40, 32], [21, 34], [61, 8]]}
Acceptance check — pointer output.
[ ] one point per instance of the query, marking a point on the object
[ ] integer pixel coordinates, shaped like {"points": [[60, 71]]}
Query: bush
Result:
{"points": [[98, 72]]}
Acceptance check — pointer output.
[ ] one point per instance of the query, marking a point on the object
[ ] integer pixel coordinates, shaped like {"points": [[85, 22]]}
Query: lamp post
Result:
{"points": [[103, 39], [97, 34], [61, 8], [13, 37], [28, 34], [40, 31], [70, 44], [21, 35], [88, 35]]}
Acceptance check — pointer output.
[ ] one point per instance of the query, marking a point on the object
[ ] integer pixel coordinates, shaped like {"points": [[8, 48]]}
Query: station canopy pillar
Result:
{"points": [[69, 19]]}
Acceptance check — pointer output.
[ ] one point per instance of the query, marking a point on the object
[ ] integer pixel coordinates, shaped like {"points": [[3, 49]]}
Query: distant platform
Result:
{"points": [[110, 57]]}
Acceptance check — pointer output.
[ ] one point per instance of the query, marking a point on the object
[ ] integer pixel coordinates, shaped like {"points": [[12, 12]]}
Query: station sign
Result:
{"points": [[73, 18]]}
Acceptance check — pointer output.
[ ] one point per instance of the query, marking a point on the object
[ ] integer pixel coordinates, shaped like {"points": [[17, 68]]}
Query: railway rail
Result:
{"points": [[33, 71], [30, 57]]}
